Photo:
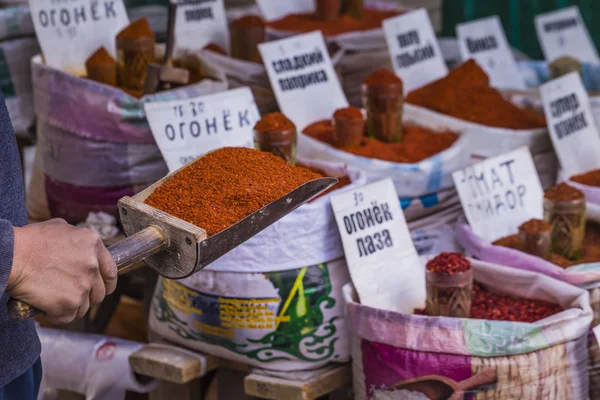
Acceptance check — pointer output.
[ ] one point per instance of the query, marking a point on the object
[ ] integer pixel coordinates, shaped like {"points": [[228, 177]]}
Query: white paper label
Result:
{"points": [[571, 124], [302, 77], [70, 32], [485, 42], [383, 262], [276, 9], [500, 193], [563, 33], [187, 129], [201, 22], [414, 49]]}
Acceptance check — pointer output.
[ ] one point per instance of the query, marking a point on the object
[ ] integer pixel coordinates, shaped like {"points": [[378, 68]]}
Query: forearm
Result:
{"points": [[6, 252]]}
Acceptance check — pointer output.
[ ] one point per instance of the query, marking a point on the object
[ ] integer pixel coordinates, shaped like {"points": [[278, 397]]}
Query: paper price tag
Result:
{"points": [[187, 129], [302, 77], [383, 262], [485, 42], [563, 33], [70, 32], [500, 193], [414, 49], [571, 124], [201, 22], [276, 9]]}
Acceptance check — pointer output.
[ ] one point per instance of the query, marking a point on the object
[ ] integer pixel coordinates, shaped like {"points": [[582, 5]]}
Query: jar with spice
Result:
{"points": [[564, 210], [382, 98], [102, 67], [354, 8], [535, 237], [246, 34], [276, 134], [449, 282], [328, 10], [348, 127], [135, 50]]}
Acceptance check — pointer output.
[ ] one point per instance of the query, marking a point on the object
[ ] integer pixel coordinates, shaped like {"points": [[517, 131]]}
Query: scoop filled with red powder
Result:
{"points": [[225, 186]]}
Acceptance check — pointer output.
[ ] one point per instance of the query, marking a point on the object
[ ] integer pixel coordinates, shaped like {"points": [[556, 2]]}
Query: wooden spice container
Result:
{"points": [[245, 35], [348, 127], [135, 50], [382, 98], [449, 284], [328, 10], [276, 134], [564, 210], [535, 236], [102, 67]]}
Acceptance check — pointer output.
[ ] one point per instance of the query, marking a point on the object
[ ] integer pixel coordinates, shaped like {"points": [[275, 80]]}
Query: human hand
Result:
{"points": [[60, 269]]}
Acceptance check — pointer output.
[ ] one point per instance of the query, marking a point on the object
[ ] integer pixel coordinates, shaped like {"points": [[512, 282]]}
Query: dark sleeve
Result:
{"points": [[12, 196]]}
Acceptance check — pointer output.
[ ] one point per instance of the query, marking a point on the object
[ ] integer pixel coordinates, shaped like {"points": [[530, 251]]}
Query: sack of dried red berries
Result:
{"points": [[526, 338]]}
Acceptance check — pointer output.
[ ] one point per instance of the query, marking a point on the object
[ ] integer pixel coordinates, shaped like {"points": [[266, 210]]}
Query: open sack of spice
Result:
{"points": [[526, 338], [465, 102], [274, 302], [107, 150], [417, 153]]}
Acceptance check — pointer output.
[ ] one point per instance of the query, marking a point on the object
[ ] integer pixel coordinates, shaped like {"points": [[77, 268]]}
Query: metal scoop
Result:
{"points": [[175, 248]]}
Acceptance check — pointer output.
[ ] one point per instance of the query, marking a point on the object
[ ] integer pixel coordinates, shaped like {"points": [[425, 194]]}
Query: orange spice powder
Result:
{"points": [[274, 122], [591, 178], [348, 113]]}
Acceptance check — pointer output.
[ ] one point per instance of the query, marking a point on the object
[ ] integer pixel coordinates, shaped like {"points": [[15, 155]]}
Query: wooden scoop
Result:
{"points": [[438, 387], [177, 249]]}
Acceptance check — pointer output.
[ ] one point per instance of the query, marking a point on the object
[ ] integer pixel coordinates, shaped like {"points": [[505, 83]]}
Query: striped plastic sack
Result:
{"points": [[274, 302], [94, 143], [479, 358]]}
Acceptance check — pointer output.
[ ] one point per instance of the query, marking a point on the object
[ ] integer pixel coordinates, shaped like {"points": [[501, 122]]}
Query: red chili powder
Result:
{"points": [[465, 93], [249, 21], [382, 76], [303, 23], [535, 226], [348, 113], [138, 28], [449, 264], [563, 192], [417, 144], [215, 48], [591, 178], [100, 57], [274, 122], [226, 185]]}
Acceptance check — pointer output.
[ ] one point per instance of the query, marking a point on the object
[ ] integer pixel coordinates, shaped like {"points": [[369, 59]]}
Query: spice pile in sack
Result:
{"points": [[590, 178], [246, 33], [226, 185], [466, 93]]}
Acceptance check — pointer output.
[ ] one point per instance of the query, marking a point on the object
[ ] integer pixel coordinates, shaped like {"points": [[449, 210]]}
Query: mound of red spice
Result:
{"points": [[382, 77], [100, 57], [227, 185], [465, 93], [535, 226], [274, 122], [591, 178], [348, 113], [138, 28], [449, 264], [304, 23], [563, 192], [417, 144]]}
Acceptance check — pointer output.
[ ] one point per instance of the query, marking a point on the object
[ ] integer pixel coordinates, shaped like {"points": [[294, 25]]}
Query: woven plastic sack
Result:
{"points": [[94, 143], [544, 360], [274, 302], [424, 188], [15, 81]]}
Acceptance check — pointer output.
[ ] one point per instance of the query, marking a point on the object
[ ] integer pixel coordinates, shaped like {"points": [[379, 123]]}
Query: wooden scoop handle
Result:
{"points": [[126, 253]]}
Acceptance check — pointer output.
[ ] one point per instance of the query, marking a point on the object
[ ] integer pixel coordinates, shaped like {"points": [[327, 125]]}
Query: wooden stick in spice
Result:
{"points": [[348, 127], [382, 98], [102, 67], [135, 50], [276, 134], [535, 236], [226, 185], [170, 75], [564, 210], [245, 35]]}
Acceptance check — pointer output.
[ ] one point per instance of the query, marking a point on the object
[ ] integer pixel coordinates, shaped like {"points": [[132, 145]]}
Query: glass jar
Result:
{"points": [[449, 295], [567, 219], [328, 10], [384, 104], [354, 8], [283, 143], [536, 243], [133, 57], [348, 132], [245, 36], [563, 66]]}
